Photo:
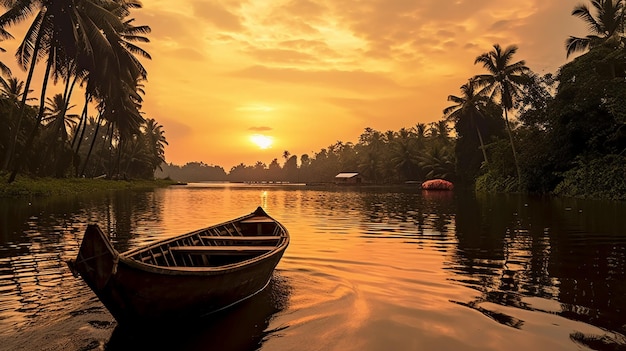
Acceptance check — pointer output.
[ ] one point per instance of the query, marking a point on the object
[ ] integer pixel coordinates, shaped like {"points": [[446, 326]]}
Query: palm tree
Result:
{"points": [[76, 36], [403, 153], [12, 90], [155, 142], [56, 118], [443, 130], [94, 125], [469, 105], [4, 69], [504, 81], [286, 155], [57, 123], [607, 27], [420, 130], [438, 161]]}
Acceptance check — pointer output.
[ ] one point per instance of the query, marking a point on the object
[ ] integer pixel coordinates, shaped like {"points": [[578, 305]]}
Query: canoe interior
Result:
{"points": [[227, 243]]}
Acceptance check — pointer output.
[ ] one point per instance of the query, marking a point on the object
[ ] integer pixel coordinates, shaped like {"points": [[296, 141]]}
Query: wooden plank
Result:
{"points": [[242, 238], [222, 250], [167, 262], [258, 220], [237, 229]]}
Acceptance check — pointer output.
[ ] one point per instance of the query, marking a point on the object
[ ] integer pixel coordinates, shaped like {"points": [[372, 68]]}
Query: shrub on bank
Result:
{"points": [[492, 182], [602, 178], [25, 186]]}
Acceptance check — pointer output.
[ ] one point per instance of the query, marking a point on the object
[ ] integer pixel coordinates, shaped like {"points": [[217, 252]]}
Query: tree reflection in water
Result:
{"points": [[562, 259], [523, 250]]}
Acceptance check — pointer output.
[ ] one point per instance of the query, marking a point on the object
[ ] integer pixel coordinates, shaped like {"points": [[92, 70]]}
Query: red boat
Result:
{"points": [[437, 184]]}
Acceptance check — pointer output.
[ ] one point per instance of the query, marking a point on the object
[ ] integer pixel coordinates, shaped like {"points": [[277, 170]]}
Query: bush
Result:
{"points": [[492, 182], [601, 178]]}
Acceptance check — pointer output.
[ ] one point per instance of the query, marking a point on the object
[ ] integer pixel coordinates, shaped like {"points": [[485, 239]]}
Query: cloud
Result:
{"points": [[189, 54], [355, 81], [165, 24], [260, 129], [278, 56], [218, 15]]}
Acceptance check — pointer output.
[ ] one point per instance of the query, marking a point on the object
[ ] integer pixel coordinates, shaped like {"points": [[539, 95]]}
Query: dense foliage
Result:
{"points": [[45, 139], [391, 157]]}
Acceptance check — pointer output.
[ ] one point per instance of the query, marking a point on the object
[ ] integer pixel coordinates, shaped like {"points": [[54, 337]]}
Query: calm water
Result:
{"points": [[367, 269]]}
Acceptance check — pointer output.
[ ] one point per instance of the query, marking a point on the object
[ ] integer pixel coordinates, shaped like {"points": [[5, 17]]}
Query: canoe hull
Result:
{"points": [[143, 296], [147, 294]]}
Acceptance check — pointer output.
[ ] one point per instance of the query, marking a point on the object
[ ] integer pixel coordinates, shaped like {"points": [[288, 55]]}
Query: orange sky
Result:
{"points": [[310, 72]]}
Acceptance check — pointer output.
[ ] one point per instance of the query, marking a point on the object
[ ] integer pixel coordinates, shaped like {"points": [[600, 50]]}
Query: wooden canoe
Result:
{"points": [[186, 276]]}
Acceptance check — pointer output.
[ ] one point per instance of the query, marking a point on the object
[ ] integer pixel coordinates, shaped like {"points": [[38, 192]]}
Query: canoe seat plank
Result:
{"points": [[222, 250], [242, 238]]}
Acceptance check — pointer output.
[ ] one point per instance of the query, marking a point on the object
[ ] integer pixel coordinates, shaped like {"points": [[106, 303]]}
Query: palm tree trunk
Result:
{"points": [[83, 123], [111, 164], [508, 129], [103, 145], [93, 140], [31, 137], [6, 156], [13, 144], [66, 98], [482, 144]]}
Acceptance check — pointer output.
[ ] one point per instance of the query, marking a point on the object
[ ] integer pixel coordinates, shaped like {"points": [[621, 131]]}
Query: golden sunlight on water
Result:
{"points": [[366, 269]]}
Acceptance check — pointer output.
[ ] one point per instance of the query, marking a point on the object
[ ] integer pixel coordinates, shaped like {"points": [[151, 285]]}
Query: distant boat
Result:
{"points": [[186, 276], [437, 184]]}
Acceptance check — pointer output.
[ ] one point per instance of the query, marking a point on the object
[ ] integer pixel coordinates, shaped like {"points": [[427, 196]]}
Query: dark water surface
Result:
{"points": [[367, 269]]}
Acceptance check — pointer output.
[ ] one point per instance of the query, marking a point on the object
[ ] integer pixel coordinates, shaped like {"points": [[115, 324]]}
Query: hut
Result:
{"points": [[348, 178]]}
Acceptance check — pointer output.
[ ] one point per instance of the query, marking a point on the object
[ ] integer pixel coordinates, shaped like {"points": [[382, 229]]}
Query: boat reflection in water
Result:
{"points": [[241, 327]]}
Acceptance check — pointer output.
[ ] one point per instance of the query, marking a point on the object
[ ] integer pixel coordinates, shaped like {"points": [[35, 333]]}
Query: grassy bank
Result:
{"points": [[25, 186]]}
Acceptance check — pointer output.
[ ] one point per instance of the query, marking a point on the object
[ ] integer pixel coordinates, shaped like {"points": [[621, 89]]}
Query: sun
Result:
{"points": [[262, 141]]}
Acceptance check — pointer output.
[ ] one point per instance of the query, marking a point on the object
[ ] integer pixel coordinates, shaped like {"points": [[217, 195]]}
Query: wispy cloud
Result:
{"points": [[260, 129], [297, 64]]}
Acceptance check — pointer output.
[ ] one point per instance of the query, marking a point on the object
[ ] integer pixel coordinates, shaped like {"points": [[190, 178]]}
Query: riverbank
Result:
{"points": [[25, 186]]}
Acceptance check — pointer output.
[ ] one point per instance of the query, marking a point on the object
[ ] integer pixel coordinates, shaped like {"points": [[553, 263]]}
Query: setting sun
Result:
{"points": [[262, 141]]}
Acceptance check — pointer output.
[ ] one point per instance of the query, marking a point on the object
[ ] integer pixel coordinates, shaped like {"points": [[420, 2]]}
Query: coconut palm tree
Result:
{"points": [[443, 130], [420, 130], [503, 81], [438, 161], [11, 90], [403, 154], [56, 118], [606, 27], [155, 143], [468, 106], [5, 71], [82, 35], [57, 123]]}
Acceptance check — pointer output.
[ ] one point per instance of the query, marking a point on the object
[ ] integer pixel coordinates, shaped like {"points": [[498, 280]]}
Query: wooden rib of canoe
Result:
{"points": [[183, 277]]}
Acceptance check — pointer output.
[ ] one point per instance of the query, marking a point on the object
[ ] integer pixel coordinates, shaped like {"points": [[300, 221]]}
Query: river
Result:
{"points": [[370, 268]]}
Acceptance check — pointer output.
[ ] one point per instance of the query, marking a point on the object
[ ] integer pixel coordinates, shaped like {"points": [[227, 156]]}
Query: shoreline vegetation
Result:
{"points": [[41, 187], [25, 186], [515, 131]]}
